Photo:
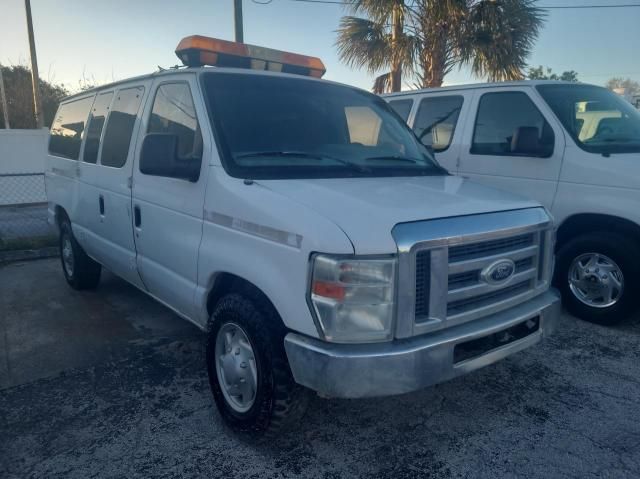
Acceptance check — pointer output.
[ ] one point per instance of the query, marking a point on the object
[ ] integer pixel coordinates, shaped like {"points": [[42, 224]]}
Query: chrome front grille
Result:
{"points": [[444, 268]]}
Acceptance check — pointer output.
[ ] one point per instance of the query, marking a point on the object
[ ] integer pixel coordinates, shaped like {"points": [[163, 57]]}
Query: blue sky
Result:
{"points": [[113, 39]]}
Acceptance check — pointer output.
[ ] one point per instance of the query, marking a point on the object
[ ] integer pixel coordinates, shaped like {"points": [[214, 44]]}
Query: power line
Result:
{"points": [[564, 7], [551, 7]]}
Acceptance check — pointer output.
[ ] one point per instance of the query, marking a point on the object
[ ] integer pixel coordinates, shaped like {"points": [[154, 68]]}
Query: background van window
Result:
{"points": [[68, 128], [94, 130], [117, 136], [436, 120]]}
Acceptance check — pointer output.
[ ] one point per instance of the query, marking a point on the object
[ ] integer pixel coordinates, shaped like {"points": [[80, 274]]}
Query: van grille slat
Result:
{"points": [[487, 248], [464, 305]]}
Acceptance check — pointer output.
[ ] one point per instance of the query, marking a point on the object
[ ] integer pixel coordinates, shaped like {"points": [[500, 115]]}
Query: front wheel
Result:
{"points": [[598, 274], [248, 369]]}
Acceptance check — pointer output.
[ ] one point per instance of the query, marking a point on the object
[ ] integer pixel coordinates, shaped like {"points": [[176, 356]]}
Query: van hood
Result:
{"points": [[367, 209]]}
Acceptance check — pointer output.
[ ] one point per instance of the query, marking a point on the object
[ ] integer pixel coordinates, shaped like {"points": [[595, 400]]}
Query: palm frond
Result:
{"points": [[382, 84], [502, 34], [377, 10], [366, 44]]}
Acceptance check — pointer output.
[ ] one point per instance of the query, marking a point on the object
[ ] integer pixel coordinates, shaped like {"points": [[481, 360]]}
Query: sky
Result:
{"points": [[99, 41]]}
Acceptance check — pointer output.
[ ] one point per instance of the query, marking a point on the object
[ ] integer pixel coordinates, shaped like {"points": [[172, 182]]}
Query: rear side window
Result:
{"points": [[117, 136], [402, 108], [68, 128], [509, 124], [436, 121], [174, 113], [94, 130]]}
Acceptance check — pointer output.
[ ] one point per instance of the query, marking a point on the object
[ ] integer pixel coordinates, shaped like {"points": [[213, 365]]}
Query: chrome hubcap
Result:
{"points": [[67, 254], [596, 280], [236, 367]]}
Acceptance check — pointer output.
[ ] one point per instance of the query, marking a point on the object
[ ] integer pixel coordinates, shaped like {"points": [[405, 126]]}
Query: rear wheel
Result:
{"points": [[248, 369], [598, 274], [80, 271]]}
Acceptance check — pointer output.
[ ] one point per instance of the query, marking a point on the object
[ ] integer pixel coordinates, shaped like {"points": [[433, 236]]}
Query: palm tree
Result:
{"points": [[378, 42], [493, 37]]}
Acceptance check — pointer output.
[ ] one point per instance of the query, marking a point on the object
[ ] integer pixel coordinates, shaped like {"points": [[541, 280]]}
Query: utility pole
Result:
{"points": [[3, 99], [237, 16], [35, 79]]}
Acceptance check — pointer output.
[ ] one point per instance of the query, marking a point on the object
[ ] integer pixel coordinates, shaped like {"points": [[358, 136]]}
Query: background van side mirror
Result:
{"points": [[159, 157]]}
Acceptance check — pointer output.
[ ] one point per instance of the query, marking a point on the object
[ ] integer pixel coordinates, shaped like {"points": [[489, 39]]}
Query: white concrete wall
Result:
{"points": [[22, 151]]}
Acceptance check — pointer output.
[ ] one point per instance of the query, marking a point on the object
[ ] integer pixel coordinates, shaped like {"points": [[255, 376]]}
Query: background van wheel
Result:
{"points": [[599, 277], [248, 369], [80, 271]]}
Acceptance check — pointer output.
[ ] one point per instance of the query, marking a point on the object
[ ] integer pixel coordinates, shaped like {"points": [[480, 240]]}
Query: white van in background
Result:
{"points": [[300, 224], [573, 147]]}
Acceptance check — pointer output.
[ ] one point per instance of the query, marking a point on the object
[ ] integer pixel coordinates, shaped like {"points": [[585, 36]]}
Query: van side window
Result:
{"points": [[68, 127], [174, 113], [436, 120], [402, 108], [94, 129], [509, 124], [117, 136]]}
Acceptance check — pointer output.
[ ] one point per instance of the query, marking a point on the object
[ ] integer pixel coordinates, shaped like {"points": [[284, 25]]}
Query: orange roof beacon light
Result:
{"points": [[196, 50]]}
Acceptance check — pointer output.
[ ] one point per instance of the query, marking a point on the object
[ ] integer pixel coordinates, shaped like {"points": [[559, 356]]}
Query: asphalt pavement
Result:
{"points": [[110, 384]]}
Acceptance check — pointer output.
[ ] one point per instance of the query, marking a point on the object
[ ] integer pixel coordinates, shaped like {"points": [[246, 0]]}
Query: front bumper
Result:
{"points": [[401, 366]]}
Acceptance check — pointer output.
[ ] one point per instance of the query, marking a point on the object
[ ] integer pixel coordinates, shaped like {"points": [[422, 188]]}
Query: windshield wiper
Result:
{"points": [[432, 165], [392, 158], [303, 154]]}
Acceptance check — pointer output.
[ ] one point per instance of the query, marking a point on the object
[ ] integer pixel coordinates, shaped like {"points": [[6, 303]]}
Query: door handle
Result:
{"points": [[101, 204], [137, 220]]}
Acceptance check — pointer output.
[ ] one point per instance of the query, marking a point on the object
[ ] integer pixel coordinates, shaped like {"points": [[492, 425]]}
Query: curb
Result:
{"points": [[28, 254]]}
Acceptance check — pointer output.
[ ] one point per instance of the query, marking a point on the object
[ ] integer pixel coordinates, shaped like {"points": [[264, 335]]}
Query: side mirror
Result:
{"points": [[159, 157], [526, 141]]}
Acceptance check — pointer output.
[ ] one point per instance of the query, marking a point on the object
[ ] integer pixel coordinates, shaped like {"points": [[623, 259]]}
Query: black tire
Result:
{"points": [[84, 272], [625, 252], [279, 401]]}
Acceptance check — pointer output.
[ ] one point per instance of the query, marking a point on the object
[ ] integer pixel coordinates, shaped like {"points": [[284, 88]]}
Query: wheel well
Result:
{"points": [[226, 283], [589, 222], [61, 214]]}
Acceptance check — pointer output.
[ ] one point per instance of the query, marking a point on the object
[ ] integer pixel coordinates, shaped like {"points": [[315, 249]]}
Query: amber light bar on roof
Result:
{"points": [[196, 50]]}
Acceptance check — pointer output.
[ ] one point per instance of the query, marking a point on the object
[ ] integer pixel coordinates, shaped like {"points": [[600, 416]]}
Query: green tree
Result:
{"points": [[492, 37], [542, 73], [631, 87], [17, 82], [379, 41]]}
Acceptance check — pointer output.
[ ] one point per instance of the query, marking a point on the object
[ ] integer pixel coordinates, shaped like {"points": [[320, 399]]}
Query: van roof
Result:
{"points": [[477, 86], [196, 70]]}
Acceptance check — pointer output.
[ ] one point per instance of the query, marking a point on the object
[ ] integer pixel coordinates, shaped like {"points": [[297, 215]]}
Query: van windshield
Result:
{"points": [[599, 120], [272, 127]]}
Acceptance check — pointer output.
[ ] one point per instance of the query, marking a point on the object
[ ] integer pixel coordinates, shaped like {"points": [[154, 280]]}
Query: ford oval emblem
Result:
{"points": [[499, 272]]}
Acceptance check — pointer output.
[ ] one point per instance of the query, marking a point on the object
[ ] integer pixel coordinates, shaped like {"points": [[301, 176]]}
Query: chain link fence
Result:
{"points": [[23, 213]]}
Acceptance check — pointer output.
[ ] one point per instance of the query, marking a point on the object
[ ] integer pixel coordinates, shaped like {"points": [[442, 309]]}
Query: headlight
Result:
{"points": [[353, 298]]}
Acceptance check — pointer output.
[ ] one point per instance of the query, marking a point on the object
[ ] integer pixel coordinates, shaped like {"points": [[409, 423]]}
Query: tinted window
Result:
{"points": [[402, 107], [278, 127], [94, 130], [436, 120], [117, 136], [599, 120], [174, 113], [68, 127], [509, 124]]}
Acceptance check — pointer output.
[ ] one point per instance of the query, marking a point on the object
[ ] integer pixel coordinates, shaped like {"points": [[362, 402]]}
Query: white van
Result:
{"points": [[573, 147], [298, 222]]}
